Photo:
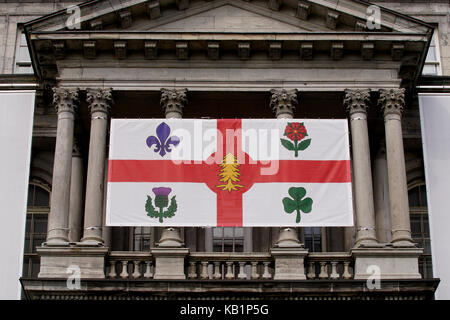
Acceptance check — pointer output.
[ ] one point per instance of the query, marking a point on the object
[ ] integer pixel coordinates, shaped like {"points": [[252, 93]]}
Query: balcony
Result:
{"points": [[222, 276]]}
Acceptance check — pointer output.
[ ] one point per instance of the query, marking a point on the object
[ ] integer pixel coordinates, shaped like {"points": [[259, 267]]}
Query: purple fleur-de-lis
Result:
{"points": [[163, 141]]}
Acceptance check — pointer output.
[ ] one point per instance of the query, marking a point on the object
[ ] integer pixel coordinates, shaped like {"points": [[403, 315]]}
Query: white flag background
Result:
{"points": [[16, 127], [435, 120], [321, 168]]}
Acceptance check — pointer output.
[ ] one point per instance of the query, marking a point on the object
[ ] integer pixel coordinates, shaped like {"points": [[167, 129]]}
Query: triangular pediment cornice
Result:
{"points": [[307, 15], [224, 31]]}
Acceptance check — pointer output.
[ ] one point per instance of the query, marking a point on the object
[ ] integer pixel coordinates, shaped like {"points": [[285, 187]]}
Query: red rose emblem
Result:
{"points": [[295, 131]]}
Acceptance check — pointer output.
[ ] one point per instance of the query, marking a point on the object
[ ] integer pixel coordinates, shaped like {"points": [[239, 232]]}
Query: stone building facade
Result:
{"points": [[225, 59]]}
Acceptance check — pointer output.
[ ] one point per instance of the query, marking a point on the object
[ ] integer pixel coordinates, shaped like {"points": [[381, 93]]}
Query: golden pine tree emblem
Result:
{"points": [[229, 174]]}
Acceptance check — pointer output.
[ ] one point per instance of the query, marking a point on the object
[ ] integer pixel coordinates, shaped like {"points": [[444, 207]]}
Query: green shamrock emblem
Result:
{"points": [[296, 203]]}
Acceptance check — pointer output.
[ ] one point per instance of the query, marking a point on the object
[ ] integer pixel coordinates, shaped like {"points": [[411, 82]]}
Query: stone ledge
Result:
{"points": [[111, 289]]}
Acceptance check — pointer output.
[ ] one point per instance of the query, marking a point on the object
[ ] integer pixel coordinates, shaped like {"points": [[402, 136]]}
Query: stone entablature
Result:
{"points": [[173, 31]]}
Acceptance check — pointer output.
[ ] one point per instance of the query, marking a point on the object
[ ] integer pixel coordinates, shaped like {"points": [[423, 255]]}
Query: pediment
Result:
{"points": [[224, 18], [276, 16], [226, 31]]}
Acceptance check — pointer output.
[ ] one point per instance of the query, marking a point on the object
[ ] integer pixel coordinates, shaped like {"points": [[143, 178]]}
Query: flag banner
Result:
{"points": [[229, 173]]}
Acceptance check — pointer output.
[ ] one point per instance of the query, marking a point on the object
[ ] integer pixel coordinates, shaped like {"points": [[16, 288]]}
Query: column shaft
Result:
{"points": [[76, 197], [283, 103], [65, 102], [392, 104], [381, 196], [99, 103], [356, 102], [172, 103]]}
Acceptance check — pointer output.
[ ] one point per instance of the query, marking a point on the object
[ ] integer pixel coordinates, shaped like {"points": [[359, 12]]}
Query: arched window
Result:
{"points": [[38, 207], [420, 230]]}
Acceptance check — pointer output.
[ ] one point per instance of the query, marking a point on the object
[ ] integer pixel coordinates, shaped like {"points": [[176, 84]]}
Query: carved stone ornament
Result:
{"points": [[99, 100], [392, 101], [65, 100], [357, 100], [283, 101], [173, 100]]}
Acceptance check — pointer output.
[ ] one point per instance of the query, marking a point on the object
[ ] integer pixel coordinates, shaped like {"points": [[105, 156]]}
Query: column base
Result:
{"points": [[61, 261], [288, 238], [289, 263], [170, 238], [393, 263], [370, 244], [169, 263], [91, 242], [403, 244]]}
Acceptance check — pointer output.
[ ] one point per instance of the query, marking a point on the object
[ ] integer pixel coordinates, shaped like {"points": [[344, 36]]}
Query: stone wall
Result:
{"points": [[12, 14], [435, 12]]}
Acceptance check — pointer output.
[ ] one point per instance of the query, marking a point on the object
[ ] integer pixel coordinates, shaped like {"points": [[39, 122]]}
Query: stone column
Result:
{"points": [[100, 101], [392, 102], [66, 102], [381, 196], [76, 195], [172, 102], [283, 103], [106, 231], [356, 102]]}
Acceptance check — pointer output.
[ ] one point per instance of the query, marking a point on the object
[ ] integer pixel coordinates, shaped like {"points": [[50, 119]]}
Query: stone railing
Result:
{"points": [[229, 266], [129, 264], [329, 265]]}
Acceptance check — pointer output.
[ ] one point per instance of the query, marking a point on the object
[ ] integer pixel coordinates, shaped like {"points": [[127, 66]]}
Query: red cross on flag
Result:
{"points": [[229, 173]]}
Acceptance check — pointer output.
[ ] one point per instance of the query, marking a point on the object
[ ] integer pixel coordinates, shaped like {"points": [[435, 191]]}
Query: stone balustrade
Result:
{"points": [[230, 266], [329, 265], [130, 264]]}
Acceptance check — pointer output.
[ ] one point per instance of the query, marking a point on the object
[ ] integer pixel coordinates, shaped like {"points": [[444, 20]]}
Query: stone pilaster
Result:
{"points": [[100, 101], [392, 102], [76, 195], [172, 102], [283, 103], [356, 103], [66, 103]]}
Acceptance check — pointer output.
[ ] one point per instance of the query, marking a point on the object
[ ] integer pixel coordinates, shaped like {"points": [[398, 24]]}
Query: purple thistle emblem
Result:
{"points": [[163, 141], [163, 208]]}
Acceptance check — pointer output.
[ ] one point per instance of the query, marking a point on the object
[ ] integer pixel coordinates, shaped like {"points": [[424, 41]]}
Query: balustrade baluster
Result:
{"points": [[124, 273], [347, 274], [242, 274], [323, 270], [148, 273], [217, 271], [266, 274], [230, 273], [254, 274], [204, 274], [192, 270], [137, 272], [311, 270], [112, 269], [334, 274]]}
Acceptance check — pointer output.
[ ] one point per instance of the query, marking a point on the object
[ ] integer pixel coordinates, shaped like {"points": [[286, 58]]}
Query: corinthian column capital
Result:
{"points": [[65, 100], [99, 100], [392, 101], [173, 101], [283, 102], [357, 101]]}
